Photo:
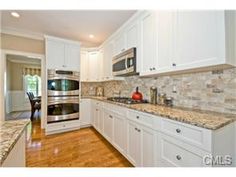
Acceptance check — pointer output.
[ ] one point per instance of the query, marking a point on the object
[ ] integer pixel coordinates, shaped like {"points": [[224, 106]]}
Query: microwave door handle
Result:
{"points": [[126, 62]]}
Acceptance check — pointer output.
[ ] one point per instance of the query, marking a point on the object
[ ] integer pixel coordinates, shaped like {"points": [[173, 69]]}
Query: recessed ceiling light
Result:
{"points": [[15, 14], [91, 36]]}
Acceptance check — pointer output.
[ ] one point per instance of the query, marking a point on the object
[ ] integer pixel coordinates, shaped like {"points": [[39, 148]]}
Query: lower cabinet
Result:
{"points": [[141, 143], [98, 116], [148, 141], [85, 113], [174, 153], [119, 133], [108, 125]]}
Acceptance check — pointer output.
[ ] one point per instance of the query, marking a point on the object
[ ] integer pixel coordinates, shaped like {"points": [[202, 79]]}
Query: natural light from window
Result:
{"points": [[33, 84]]}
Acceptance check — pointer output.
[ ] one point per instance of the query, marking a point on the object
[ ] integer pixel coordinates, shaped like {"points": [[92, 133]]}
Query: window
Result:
{"points": [[33, 84]]}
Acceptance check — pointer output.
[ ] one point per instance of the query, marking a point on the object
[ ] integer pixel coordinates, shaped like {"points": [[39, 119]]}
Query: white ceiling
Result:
{"points": [[70, 24]]}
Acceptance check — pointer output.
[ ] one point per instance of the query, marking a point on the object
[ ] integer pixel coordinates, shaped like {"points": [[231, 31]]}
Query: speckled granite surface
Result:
{"points": [[205, 119], [10, 132]]}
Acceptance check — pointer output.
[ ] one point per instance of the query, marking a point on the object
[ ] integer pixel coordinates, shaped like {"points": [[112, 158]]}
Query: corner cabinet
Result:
{"points": [[62, 54]]}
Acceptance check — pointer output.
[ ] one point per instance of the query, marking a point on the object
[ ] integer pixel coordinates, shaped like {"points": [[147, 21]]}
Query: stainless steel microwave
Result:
{"points": [[124, 64]]}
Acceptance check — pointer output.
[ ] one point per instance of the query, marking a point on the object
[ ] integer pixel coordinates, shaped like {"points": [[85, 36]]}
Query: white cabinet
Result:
{"points": [[16, 156], [119, 43], [107, 60], [98, 116], [72, 57], [55, 54], [148, 43], [140, 144], [62, 54], [133, 143], [85, 112], [108, 125], [119, 132], [132, 35], [199, 39], [93, 66], [84, 67]]}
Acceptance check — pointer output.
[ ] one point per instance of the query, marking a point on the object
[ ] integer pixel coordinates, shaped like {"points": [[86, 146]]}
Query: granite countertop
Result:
{"points": [[205, 119], [10, 132]]}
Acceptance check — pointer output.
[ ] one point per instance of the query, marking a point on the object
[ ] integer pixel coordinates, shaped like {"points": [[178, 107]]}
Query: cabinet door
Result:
{"points": [[133, 144], [108, 125], [107, 60], [96, 113], [132, 35], [72, 57], [100, 73], [164, 40], [93, 66], [148, 139], [85, 112], [55, 53], [199, 39], [84, 66], [148, 43], [119, 133], [119, 43]]}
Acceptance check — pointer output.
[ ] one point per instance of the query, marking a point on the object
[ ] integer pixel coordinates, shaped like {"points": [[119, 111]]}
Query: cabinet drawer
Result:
{"points": [[142, 118], [190, 134], [62, 126], [176, 153]]}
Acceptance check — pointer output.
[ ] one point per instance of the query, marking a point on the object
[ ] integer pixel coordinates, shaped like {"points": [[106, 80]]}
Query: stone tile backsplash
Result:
{"points": [[214, 90]]}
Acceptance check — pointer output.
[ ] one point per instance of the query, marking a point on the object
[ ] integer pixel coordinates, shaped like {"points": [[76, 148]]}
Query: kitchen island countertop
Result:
{"points": [[10, 132]]}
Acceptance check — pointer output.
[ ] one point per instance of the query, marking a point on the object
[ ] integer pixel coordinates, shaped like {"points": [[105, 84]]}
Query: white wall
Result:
{"points": [[16, 101]]}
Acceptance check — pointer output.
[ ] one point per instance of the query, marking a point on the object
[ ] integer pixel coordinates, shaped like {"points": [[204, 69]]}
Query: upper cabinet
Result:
{"points": [[174, 41], [62, 54], [84, 66], [119, 43], [148, 43]]}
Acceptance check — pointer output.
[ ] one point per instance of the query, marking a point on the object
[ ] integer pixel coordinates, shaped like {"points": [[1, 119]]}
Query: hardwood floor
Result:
{"points": [[81, 148]]}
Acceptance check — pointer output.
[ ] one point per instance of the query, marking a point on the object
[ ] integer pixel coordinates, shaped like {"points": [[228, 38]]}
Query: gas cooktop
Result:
{"points": [[126, 100]]}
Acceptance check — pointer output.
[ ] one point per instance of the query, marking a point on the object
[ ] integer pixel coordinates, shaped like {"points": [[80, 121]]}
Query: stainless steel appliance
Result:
{"points": [[62, 83], [63, 108], [63, 95], [126, 100], [124, 64]]}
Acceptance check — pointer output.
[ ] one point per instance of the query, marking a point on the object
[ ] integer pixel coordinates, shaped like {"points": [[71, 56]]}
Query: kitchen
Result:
{"points": [[159, 91]]}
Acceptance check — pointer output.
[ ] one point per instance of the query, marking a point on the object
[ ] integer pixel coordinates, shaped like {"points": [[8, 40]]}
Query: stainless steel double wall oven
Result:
{"points": [[63, 95]]}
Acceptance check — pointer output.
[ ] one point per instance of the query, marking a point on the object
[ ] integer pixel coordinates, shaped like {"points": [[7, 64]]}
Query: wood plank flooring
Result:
{"points": [[81, 148]]}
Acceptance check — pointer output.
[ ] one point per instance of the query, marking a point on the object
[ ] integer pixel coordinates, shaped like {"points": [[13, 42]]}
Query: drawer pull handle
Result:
{"points": [[178, 130], [178, 157], [137, 117], [110, 116], [138, 130]]}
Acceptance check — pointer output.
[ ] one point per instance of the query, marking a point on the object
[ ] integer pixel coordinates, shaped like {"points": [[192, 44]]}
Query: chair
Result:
{"points": [[35, 105]]}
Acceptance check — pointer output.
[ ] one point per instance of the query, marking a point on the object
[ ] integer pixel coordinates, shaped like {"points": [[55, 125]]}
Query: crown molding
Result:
{"points": [[21, 33]]}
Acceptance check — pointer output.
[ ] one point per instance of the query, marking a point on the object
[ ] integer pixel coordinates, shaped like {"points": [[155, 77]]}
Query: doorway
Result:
{"points": [[22, 72], [23, 75]]}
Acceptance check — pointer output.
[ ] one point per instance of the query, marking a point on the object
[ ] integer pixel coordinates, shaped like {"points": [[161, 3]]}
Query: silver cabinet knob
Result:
{"points": [[178, 130], [150, 69], [173, 64], [153, 68], [110, 116], [178, 157], [137, 117]]}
